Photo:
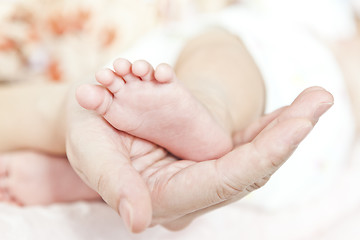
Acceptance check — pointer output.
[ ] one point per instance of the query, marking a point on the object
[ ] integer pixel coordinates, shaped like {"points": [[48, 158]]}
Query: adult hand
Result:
{"points": [[147, 186]]}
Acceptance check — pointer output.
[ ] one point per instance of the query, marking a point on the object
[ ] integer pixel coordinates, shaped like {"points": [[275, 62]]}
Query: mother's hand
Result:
{"points": [[147, 186]]}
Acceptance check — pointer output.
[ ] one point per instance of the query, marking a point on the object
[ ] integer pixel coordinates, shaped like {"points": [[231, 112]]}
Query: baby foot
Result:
{"points": [[29, 178], [153, 105]]}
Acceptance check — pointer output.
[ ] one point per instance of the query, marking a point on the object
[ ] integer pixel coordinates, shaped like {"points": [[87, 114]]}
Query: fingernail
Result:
{"points": [[126, 212], [322, 108]]}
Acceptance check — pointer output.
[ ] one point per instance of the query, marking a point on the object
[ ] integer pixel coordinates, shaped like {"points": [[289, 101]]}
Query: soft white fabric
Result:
{"points": [[356, 5], [329, 19]]}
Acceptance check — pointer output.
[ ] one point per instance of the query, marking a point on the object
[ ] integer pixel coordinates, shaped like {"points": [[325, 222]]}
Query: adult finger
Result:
{"points": [[311, 98], [249, 133], [249, 167], [101, 160]]}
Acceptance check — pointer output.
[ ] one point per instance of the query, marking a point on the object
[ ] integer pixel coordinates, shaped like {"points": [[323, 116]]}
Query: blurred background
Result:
{"points": [[68, 40]]}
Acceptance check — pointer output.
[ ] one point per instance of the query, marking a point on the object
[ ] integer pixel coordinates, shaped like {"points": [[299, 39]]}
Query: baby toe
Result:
{"points": [[108, 79], [143, 69], [122, 68], [164, 73], [105, 77]]}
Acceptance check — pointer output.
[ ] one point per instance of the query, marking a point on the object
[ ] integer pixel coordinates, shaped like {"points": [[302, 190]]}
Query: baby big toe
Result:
{"points": [[143, 69], [94, 97]]}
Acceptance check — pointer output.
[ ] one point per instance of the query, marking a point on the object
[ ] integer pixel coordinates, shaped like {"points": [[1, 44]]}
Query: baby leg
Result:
{"points": [[220, 72]]}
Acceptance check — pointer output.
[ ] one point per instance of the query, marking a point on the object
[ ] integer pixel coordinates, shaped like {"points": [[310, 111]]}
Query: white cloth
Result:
{"points": [[356, 5], [329, 19]]}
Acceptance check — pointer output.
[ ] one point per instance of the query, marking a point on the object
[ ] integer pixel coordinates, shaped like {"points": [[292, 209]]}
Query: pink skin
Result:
{"points": [[153, 105], [173, 192], [31, 178], [145, 184]]}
